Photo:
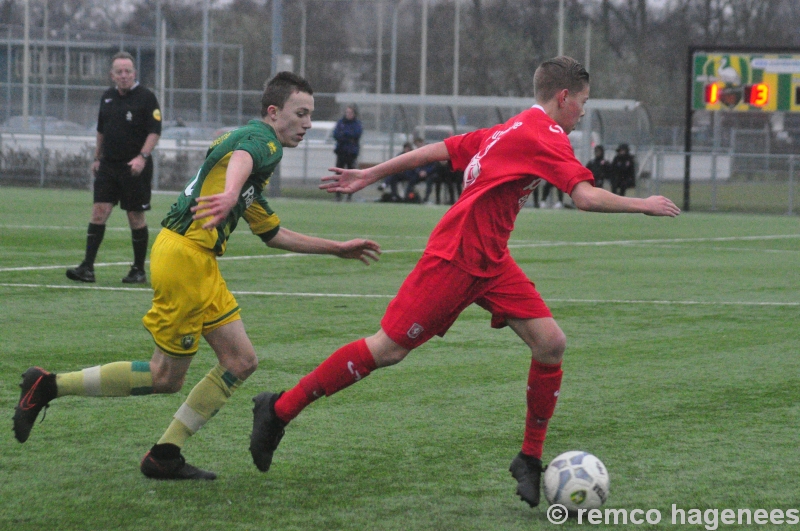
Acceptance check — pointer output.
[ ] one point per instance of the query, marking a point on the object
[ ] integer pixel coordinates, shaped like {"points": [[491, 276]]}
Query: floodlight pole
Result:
{"points": [[560, 27], [303, 25], [423, 67], [277, 50], [456, 55], [204, 71], [26, 62], [379, 62], [687, 131]]}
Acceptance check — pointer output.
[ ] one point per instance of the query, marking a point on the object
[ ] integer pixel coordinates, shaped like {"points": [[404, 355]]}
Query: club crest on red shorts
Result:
{"points": [[415, 331]]}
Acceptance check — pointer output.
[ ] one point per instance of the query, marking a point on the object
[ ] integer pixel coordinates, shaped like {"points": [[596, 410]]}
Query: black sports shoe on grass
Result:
{"points": [[176, 468], [135, 276], [527, 470], [268, 430], [82, 273], [38, 389]]}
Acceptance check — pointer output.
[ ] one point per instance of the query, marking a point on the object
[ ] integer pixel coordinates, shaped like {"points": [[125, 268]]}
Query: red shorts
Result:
{"points": [[436, 292]]}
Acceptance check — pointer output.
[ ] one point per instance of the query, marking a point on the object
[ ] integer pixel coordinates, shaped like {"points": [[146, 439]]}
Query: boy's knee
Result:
{"points": [[166, 384], [550, 350]]}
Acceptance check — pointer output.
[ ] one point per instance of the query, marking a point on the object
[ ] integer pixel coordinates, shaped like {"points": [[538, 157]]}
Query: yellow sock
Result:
{"points": [[122, 378], [203, 402]]}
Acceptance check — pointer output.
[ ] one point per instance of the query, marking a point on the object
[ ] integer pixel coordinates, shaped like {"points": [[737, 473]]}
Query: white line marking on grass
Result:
{"points": [[221, 259], [676, 303], [654, 241], [377, 296], [77, 286], [45, 268], [54, 227], [511, 246]]}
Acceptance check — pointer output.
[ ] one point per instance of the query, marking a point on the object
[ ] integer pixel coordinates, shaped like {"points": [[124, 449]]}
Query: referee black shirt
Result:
{"points": [[125, 120]]}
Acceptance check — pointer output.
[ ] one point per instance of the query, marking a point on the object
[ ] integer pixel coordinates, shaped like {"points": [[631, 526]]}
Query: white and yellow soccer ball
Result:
{"points": [[576, 480]]}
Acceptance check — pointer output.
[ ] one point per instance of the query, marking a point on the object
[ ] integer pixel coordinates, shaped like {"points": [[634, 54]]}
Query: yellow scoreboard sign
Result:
{"points": [[746, 82]]}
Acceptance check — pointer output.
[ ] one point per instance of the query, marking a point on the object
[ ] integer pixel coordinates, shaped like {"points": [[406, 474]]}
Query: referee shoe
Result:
{"points": [[135, 276], [82, 273]]}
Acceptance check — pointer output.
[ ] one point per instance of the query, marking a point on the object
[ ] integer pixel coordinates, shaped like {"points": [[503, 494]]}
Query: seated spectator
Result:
{"points": [[428, 173], [390, 183], [599, 167], [451, 180], [623, 170]]}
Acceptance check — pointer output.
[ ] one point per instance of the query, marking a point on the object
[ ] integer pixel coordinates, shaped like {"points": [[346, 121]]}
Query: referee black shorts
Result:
{"points": [[113, 183]]}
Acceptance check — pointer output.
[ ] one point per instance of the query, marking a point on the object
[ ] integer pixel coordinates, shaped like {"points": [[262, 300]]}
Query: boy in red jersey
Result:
{"points": [[467, 261]]}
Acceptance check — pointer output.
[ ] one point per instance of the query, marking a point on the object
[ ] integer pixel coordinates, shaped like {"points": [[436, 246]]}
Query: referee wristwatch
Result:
{"points": [[144, 155]]}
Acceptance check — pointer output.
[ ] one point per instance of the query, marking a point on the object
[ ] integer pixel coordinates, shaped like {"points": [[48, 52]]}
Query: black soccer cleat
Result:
{"points": [[82, 273], [176, 468], [268, 430], [38, 389], [527, 470], [135, 276]]}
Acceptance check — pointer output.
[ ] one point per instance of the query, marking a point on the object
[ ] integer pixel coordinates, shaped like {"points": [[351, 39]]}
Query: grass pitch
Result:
{"points": [[681, 374]]}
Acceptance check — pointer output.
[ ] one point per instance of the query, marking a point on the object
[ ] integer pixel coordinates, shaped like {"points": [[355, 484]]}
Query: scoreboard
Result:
{"points": [[746, 82]]}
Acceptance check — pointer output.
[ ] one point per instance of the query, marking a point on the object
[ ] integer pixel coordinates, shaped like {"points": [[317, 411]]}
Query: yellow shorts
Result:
{"points": [[190, 297]]}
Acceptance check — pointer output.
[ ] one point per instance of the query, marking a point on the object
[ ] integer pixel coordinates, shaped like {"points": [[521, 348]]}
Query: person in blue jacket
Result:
{"points": [[347, 134]]}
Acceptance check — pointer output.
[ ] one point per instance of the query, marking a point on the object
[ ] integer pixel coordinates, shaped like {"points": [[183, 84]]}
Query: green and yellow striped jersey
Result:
{"points": [[259, 140]]}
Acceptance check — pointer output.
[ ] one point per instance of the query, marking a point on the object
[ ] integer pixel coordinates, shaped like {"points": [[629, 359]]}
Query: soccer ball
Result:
{"points": [[576, 480]]}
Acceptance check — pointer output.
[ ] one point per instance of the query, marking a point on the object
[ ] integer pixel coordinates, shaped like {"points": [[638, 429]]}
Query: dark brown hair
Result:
{"points": [[278, 89], [558, 74]]}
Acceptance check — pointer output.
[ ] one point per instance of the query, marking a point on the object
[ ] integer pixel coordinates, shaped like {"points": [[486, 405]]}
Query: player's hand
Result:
{"points": [[217, 207], [345, 181], [364, 250], [137, 164], [658, 205]]}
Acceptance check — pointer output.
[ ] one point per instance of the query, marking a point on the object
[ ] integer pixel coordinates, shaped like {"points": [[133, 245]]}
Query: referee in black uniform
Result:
{"points": [[128, 128]]}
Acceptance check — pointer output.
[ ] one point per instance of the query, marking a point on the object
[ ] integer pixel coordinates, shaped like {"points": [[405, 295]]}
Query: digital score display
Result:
{"points": [[746, 82], [754, 95]]}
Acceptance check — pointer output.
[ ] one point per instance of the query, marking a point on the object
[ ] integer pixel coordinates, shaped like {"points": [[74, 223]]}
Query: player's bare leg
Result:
{"points": [[237, 360]]}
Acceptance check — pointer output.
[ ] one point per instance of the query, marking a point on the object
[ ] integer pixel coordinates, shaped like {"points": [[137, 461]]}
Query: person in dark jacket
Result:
{"points": [[128, 129], [623, 170], [347, 134], [599, 166]]}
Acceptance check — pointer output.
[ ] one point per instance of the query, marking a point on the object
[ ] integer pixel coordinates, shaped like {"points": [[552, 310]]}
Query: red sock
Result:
{"points": [[544, 383], [343, 368]]}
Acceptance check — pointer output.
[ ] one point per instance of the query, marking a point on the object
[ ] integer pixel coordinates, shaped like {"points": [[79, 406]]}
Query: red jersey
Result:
{"points": [[502, 165]]}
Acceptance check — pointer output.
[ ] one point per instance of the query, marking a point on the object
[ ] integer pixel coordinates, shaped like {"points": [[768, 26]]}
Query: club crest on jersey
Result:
{"points": [[415, 331], [187, 342]]}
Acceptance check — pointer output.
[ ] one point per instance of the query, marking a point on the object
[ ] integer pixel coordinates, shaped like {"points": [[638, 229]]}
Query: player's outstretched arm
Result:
{"points": [[349, 181], [587, 197], [218, 206], [358, 249]]}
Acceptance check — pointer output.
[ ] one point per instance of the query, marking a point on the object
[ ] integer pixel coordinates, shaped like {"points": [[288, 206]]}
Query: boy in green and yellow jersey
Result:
{"points": [[190, 296]]}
